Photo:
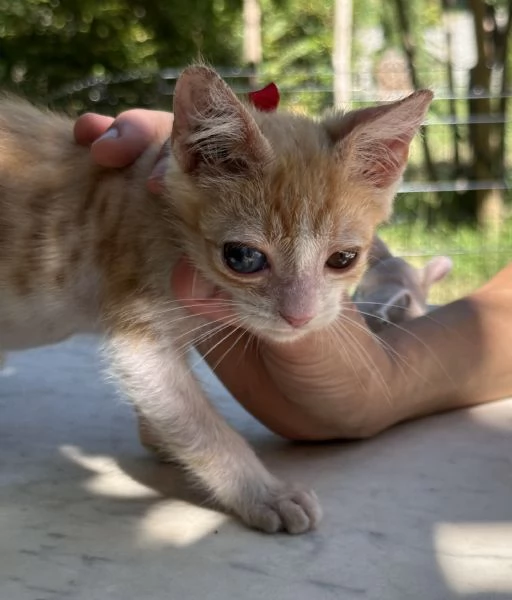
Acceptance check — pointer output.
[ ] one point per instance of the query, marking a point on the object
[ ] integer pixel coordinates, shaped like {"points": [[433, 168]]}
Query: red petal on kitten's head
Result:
{"points": [[374, 142], [212, 127], [266, 99]]}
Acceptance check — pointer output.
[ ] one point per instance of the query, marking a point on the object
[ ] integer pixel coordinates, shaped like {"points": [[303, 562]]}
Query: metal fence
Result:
{"points": [[477, 255]]}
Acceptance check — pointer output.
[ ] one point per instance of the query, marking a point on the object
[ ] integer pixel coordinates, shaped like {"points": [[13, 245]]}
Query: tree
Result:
{"points": [[342, 51], [61, 51], [297, 50], [487, 114], [252, 35]]}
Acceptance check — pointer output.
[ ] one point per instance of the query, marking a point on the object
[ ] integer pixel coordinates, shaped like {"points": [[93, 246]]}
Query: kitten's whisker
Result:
{"points": [[213, 332], [427, 348], [415, 337], [199, 304], [401, 328], [428, 315], [213, 329], [217, 344], [370, 362], [395, 355], [249, 340], [185, 334], [340, 333], [215, 366], [375, 304]]}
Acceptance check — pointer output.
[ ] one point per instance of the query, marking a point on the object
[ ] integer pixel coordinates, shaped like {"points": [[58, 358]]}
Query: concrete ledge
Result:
{"points": [[422, 512]]}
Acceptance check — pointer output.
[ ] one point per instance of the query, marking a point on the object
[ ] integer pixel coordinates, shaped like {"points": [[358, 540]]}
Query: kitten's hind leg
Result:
{"points": [[187, 428]]}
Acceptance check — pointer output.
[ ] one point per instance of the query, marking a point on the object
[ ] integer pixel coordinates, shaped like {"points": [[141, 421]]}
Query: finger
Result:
{"points": [[136, 129], [156, 180], [89, 127], [129, 135], [199, 296]]}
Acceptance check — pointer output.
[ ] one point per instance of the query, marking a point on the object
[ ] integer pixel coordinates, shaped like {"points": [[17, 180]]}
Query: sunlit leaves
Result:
{"points": [[47, 45]]}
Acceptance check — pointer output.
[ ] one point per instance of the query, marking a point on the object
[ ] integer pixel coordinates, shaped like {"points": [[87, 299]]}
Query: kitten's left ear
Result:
{"points": [[212, 128], [373, 143]]}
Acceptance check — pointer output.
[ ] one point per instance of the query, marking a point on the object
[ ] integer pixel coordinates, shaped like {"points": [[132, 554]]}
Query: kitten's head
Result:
{"points": [[278, 211], [393, 291]]}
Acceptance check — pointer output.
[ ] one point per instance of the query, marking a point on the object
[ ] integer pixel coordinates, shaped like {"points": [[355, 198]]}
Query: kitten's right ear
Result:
{"points": [[212, 128]]}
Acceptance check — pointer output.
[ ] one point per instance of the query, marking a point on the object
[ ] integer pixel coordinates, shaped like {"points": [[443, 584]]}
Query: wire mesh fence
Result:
{"points": [[430, 216]]}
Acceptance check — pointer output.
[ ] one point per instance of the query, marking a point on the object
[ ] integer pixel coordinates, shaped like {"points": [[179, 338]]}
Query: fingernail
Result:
{"points": [[110, 134]]}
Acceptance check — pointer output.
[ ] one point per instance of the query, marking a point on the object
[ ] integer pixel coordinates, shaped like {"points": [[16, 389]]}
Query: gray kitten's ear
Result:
{"points": [[436, 269], [378, 251], [374, 142], [212, 128]]}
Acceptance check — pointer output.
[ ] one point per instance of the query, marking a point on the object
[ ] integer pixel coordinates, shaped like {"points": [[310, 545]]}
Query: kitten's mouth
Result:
{"points": [[288, 336], [283, 334]]}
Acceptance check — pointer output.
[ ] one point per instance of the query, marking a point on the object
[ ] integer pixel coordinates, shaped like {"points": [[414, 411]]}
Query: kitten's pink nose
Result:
{"points": [[297, 320]]}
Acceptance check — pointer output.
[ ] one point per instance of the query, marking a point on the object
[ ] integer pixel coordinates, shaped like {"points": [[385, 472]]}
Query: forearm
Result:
{"points": [[350, 384], [458, 356], [321, 387], [462, 352]]}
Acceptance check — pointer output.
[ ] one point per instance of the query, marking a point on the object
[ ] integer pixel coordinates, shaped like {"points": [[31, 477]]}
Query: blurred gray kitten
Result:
{"points": [[392, 290]]}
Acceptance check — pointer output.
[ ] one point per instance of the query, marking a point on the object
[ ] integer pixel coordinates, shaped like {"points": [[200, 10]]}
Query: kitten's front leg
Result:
{"points": [[170, 400]]}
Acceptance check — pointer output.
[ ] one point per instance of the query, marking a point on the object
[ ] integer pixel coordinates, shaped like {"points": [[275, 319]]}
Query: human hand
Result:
{"points": [[119, 142]]}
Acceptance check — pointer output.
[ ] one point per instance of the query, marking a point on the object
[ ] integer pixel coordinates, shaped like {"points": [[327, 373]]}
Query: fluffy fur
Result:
{"points": [[85, 249]]}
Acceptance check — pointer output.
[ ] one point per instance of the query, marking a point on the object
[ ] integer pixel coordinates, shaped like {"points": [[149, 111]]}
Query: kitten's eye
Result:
{"points": [[244, 259], [341, 260]]}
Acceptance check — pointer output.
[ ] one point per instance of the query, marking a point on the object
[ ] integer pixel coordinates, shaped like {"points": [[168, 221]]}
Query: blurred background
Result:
{"points": [[79, 55]]}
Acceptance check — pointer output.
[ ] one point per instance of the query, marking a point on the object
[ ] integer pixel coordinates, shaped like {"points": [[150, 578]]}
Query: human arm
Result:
{"points": [[324, 387]]}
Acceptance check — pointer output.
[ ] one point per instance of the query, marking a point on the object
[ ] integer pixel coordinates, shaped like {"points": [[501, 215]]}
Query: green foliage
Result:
{"points": [[105, 56], [297, 42], [476, 256], [48, 44]]}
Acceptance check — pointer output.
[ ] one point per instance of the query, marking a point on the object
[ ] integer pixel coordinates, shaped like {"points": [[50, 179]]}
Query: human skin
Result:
{"points": [[348, 384]]}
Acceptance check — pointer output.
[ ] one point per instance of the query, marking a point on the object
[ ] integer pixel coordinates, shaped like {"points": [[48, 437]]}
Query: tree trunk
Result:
{"points": [[342, 52], [451, 88], [488, 203], [252, 38], [406, 38], [502, 60]]}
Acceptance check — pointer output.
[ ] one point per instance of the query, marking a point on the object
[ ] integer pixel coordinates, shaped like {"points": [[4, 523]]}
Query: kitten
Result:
{"points": [[392, 290], [276, 210]]}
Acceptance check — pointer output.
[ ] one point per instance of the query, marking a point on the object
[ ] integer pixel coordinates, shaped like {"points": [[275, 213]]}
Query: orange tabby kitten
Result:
{"points": [[276, 210]]}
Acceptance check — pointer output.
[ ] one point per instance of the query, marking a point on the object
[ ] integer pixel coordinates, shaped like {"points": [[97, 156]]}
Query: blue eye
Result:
{"points": [[244, 259]]}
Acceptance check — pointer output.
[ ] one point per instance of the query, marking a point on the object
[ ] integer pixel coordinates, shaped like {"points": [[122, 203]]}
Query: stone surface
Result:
{"points": [[421, 512]]}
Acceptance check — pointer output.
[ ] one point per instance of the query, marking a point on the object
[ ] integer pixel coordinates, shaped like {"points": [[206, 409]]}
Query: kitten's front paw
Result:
{"points": [[286, 508]]}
